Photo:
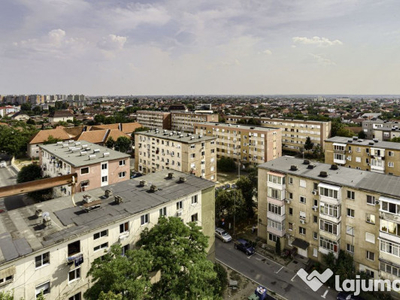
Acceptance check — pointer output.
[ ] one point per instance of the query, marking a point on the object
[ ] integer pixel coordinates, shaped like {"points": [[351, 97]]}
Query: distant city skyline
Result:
{"points": [[299, 47]]}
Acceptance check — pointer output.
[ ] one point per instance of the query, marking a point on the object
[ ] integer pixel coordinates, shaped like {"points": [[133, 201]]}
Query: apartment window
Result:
{"points": [[389, 269], [328, 244], [328, 192], [104, 178], [350, 248], [104, 166], [122, 174], [74, 275], [274, 208], [277, 225], [192, 146], [291, 211], [315, 235], [370, 200], [102, 246], [302, 199], [122, 162], [328, 226], [274, 193], [315, 184], [370, 218], [330, 210], [144, 219], [350, 195], [84, 170], [195, 217], [290, 180], [290, 195], [163, 211], [179, 205], [391, 153], [290, 226], [42, 260], [193, 155], [194, 199], [391, 164], [350, 212], [124, 227], [390, 207], [303, 183], [370, 237], [76, 297], [6, 280], [272, 237], [43, 288], [350, 230], [370, 255], [302, 230], [315, 219], [276, 179], [100, 234], [74, 248]]}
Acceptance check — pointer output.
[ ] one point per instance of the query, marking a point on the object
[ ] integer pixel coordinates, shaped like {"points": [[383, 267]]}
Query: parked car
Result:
{"points": [[347, 296], [223, 235], [3, 164], [244, 246], [136, 174]]}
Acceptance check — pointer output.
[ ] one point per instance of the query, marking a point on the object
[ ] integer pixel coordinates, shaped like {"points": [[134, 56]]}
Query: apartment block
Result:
{"points": [[49, 247], [320, 208], [380, 129], [248, 144], [96, 166], [158, 150], [294, 132], [370, 155], [184, 121], [154, 119]]}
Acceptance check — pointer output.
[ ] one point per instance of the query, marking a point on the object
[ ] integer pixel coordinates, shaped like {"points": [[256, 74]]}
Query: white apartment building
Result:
{"points": [[49, 247], [185, 121]]}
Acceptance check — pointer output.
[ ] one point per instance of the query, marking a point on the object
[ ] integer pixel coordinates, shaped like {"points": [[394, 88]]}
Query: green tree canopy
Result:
{"points": [[51, 140], [30, 173], [226, 164], [248, 191], [308, 145], [123, 144], [229, 203], [110, 143]]}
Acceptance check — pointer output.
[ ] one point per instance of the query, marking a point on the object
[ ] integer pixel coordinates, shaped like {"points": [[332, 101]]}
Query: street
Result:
{"points": [[270, 274]]}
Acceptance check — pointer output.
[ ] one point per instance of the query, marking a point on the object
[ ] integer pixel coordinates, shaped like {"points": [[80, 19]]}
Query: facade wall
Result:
{"points": [[154, 119], [185, 121]]}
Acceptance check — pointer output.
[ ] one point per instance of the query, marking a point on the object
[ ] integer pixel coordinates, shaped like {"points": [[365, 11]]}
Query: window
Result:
{"points": [[74, 248], [291, 211], [390, 207], [6, 280], [350, 248], [104, 178], [276, 179], [104, 166], [84, 170], [370, 255], [330, 210], [391, 164], [303, 183], [370, 237], [276, 225], [389, 269], [350, 230], [76, 297], [290, 180], [74, 275], [315, 235], [315, 219], [290, 226], [370, 200], [163, 211], [391, 153], [291, 196], [144, 219], [328, 244], [389, 247], [100, 234], [302, 199], [102, 246], [195, 217], [358, 159], [124, 227], [274, 193], [42, 260], [179, 205], [328, 192], [272, 237], [274, 208], [370, 218], [193, 155], [328, 226], [350, 195], [121, 174], [302, 230], [122, 162], [194, 199], [350, 212], [43, 288]]}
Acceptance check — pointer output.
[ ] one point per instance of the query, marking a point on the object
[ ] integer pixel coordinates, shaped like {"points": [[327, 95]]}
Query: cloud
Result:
{"points": [[323, 61], [112, 42], [266, 52], [320, 42]]}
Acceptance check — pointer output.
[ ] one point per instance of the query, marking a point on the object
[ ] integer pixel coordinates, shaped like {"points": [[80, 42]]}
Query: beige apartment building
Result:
{"points": [[184, 121], [319, 208], [95, 165], [294, 132], [370, 155], [248, 144], [380, 129], [154, 119], [157, 150], [49, 247]]}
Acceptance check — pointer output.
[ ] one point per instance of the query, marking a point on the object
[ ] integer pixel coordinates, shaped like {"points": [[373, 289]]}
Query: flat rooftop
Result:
{"points": [[277, 119], [77, 153], [21, 232], [369, 181], [176, 136], [239, 126], [364, 142]]}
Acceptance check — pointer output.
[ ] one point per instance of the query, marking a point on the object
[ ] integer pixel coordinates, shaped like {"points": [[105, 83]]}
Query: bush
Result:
{"points": [[221, 281]]}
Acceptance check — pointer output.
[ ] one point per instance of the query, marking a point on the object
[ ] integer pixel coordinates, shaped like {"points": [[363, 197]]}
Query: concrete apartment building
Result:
{"points": [[185, 121], [370, 155], [95, 165], [49, 247], [157, 150], [381, 130], [249, 144], [154, 119], [294, 132], [318, 208]]}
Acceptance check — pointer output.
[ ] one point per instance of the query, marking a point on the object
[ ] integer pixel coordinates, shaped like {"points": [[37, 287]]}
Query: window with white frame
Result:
{"points": [[179, 205], [104, 178], [302, 230], [194, 199], [124, 227], [272, 237], [370, 200], [104, 166], [390, 207], [351, 195], [350, 230], [100, 234], [6, 280], [328, 192], [77, 296], [74, 275], [302, 199], [350, 212], [370, 237], [370, 255], [144, 219], [390, 153], [303, 183], [274, 208], [391, 164], [370, 218], [328, 226], [99, 247], [195, 217], [122, 162], [350, 248], [42, 260], [274, 193], [163, 211], [85, 170], [42, 288], [390, 248], [277, 225], [121, 174], [276, 179], [330, 210], [328, 244]]}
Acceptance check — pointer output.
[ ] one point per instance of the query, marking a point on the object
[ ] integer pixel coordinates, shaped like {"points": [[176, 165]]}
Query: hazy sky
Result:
{"points": [[102, 47]]}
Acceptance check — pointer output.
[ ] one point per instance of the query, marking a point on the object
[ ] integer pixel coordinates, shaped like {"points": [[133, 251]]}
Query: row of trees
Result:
{"points": [[14, 139]]}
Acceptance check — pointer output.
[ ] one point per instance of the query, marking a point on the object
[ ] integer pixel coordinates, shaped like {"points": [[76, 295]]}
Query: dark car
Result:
{"points": [[244, 246], [347, 296]]}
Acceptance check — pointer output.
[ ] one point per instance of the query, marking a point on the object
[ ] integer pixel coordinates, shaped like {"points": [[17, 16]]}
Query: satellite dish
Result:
{"points": [[46, 214]]}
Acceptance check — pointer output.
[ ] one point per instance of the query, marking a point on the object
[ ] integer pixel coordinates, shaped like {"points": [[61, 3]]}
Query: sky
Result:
{"points": [[203, 47]]}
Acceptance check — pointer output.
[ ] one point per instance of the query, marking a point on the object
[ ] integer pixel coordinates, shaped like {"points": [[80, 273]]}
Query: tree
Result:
{"points": [[139, 129], [110, 143], [30, 173], [278, 246], [229, 203], [99, 119], [362, 135], [6, 296], [221, 282], [226, 164], [395, 139], [247, 188], [308, 145], [123, 144], [30, 121], [51, 140]]}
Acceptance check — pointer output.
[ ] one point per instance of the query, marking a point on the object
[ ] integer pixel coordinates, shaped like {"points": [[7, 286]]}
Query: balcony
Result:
{"points": [[390, 237], [276, 231], [329, 236], [339, 161], [330, 218], [276, 217]]}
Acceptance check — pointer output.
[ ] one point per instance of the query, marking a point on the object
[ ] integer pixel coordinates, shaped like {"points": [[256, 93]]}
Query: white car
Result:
{"points": [[3, 164], [223, 235]]}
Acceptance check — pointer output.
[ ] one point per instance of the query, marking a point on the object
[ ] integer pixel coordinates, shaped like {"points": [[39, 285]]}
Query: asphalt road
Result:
{"points": [[270, 274], [8, 176]]}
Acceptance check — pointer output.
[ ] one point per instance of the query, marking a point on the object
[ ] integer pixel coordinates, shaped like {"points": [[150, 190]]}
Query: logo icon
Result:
{"points": [[314, 280]]}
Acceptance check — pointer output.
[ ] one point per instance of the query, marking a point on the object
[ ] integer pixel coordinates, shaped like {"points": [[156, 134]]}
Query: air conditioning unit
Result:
{"points": [[349, 151], [315, 192], [315, 208], [179, 213], [288, 201], [302, 221]]}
